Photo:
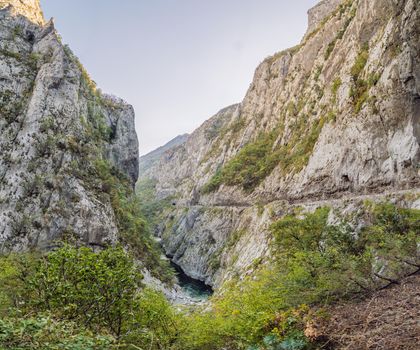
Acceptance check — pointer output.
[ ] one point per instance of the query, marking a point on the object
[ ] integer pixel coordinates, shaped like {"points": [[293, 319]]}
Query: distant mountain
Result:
{"points": [[150, 159]]}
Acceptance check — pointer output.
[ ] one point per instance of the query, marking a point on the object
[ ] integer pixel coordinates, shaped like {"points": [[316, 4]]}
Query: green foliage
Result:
{"points": [[17, 32], [360, 62], [318, 72], [93, 300], [321, 261], [11, 105], [360, 90], [336, 85], [330, 49], [94, 289], [256, 160], [133, 229], [10, 54], [155, 324], [45, 333]]}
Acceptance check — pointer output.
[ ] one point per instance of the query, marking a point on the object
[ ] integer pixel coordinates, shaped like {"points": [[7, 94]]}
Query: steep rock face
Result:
{"points": [[333, 121], [55, 127]]}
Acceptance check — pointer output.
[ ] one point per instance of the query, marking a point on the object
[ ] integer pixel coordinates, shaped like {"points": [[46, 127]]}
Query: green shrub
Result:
{"points": [[313, 263], [46, 333], [330, 49], [360, 63], [359, 92], [94, 289], [100, 292], [256, 160], [155, 324], [335, 86], [322, 261]]}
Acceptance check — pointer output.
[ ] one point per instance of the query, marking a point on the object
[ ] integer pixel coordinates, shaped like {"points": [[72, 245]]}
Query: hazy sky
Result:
{"points": [[176, 61]]}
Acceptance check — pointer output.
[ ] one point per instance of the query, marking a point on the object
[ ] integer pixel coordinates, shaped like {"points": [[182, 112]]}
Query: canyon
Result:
{"points": [[334, 121], [290, 220]]}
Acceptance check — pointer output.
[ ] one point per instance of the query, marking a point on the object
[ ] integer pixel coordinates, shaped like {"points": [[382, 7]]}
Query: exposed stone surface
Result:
{"points": [[353, 86], [30, 9], [54, 126], [320, 12], [123, 147]]}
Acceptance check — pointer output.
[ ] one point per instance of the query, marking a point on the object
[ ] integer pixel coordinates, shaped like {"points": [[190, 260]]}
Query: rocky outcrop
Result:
{"points": [[57, 130], [320, 12], [332, 121], [122, 148]]}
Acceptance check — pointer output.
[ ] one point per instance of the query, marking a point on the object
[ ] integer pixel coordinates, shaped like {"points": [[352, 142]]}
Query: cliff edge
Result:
{"points": [[60, 138]]}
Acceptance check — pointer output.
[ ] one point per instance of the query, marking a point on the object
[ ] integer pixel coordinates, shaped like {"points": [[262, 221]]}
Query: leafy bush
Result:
{"points": [[313, 263], [99, 292], [321, 261], [94, 289], [335, 86], [155, 324], [45, 333]]}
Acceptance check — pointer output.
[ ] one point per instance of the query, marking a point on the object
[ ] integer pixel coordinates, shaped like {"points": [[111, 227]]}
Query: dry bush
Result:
{"points": [[387, 320]]}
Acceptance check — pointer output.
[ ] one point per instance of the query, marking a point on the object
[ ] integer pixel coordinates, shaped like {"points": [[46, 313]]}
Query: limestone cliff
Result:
{"points": [[332, 121], [56, 131]]}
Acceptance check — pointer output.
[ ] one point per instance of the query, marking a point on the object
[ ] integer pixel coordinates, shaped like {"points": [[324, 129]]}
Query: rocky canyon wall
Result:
{"points": [[56, 131], [332, 122]]}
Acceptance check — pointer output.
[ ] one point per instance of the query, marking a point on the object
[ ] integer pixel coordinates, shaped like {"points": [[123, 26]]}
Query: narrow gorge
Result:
{"points": [[287, 221], [332, 122]]}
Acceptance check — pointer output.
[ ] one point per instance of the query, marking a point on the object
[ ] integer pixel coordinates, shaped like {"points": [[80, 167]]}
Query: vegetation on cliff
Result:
{"points": [[256, 160], [108, 182], [74, 298], [314, 264]]}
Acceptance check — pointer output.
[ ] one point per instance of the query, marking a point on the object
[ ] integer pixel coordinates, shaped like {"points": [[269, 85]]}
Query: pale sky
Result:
{"points": [[178, 62]]}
